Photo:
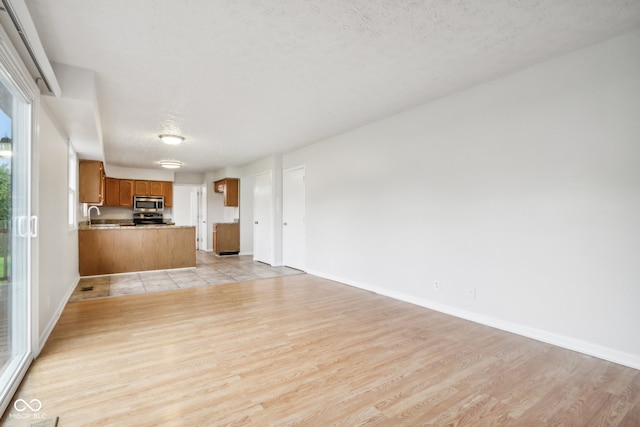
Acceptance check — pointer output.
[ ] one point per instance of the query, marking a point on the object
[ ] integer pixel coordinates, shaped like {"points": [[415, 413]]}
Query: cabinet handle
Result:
{"points": [[255, 222], [284, 223]]}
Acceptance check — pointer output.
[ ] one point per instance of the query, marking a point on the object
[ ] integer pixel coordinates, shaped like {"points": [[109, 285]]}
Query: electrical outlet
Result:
{"points": [[436, 285]]}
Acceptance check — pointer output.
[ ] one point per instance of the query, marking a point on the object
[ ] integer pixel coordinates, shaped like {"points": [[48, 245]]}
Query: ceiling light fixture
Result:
{"points": [[170, 164], [171, 139]]}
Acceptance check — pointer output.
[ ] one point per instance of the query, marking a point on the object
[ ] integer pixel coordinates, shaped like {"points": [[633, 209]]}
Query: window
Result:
{"points": [[73, 182]]}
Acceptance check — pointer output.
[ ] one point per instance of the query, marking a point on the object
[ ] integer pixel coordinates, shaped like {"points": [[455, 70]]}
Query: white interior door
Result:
{"points": [[194, 212], [262, 218], [293, 212], [204, 227]]}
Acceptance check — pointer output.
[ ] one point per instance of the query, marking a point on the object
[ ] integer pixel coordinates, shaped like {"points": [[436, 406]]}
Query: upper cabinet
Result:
{"points": [[96, 189], [120, 192], [141, 188], [230, 188], [167, 192], [126, 192], [155, 188], [112, 192], [92, 182]]}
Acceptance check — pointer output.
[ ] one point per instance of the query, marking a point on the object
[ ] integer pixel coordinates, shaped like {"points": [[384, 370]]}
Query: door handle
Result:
{"points": [[20, 226], [33, 226]]}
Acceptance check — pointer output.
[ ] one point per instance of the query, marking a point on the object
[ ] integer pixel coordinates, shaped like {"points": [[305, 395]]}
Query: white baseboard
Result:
{"points": [[591, 349], [44, 336]]}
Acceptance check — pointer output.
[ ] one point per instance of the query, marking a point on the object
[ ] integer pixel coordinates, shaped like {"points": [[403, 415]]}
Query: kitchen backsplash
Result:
{"points": [[114, 213]]}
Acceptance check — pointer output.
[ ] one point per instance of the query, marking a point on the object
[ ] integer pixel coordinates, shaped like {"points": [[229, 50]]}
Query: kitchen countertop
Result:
{"points": [[130, 227]]}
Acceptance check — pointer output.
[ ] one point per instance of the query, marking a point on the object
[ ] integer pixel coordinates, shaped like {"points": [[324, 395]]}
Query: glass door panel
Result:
{"points": [[15, 232]]}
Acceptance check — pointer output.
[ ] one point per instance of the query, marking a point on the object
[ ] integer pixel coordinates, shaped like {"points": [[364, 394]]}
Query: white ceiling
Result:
{"points": [[244, 79]]}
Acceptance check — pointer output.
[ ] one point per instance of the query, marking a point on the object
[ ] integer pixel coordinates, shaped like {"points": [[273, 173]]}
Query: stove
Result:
{"points": [[148, 219]]}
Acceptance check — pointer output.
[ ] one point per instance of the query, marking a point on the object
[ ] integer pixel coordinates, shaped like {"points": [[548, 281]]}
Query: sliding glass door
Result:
{"points": [[16, 229]]}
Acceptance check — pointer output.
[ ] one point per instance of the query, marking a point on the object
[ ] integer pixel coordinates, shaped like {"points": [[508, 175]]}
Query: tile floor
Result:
{"points": [[209, 270]]}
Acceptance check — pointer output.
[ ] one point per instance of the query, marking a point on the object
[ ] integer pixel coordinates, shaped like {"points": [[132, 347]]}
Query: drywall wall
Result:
{"points": [[521, 197], [57, 244], [141, 174]]}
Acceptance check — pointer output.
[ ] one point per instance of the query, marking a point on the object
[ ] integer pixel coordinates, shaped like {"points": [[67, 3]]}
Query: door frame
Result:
{"points": [[18, 75]]}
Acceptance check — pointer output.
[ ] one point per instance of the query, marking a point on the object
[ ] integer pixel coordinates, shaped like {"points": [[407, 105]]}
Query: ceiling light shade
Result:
{"points": [[171, 139], [170, 164]]}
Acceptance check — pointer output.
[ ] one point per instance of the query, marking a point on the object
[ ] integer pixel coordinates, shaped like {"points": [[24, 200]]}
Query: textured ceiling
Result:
{"points": [[245, 79]]}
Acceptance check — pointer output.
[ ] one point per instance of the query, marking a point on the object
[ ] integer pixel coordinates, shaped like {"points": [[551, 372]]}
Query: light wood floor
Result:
{"points": [[300, 350]]}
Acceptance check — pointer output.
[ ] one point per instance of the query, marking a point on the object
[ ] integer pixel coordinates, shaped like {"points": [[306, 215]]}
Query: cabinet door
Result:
{"points": [[231, 192], [226, 238], [126, 192], [141, 188], [112, 192], [230, 188], [167, 192], [91, 182], [155, 188]]}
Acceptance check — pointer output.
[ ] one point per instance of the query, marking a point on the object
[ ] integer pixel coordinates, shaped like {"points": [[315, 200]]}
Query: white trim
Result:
{"points": [[28, 29], [44, 337], [591, 349], [18, 75]]}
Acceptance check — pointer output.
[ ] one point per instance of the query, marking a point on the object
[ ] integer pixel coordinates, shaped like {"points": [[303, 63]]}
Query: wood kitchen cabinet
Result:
{"points": [[128, 249], [226, 238], [167, 192], [112, 192], [118, 192], [230, 187], [96, 189], [155, 188], [92, 182], [141, 188], [126, 192]]}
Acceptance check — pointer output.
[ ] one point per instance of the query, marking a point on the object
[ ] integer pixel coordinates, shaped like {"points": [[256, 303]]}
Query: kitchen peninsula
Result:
{"points": [[113, 248]]}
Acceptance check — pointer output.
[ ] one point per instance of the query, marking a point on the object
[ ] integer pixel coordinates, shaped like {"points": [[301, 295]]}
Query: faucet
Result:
{"points": [[89, 212]]}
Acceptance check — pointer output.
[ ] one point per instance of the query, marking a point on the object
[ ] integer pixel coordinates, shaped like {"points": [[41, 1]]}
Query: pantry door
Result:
{"points": [[17, 227]]}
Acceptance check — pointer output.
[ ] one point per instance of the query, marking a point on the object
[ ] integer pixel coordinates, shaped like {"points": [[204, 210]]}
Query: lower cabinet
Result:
{"points": [[129, 249], [226, 238]]}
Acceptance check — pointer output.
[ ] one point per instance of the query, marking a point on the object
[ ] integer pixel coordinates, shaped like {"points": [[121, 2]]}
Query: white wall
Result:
{"points": [[525, 189], [137, 173], [58, 246], [246, 214]]}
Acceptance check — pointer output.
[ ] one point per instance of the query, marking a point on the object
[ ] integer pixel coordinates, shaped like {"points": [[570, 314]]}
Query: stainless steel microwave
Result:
{"points": [[148, 203]]}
